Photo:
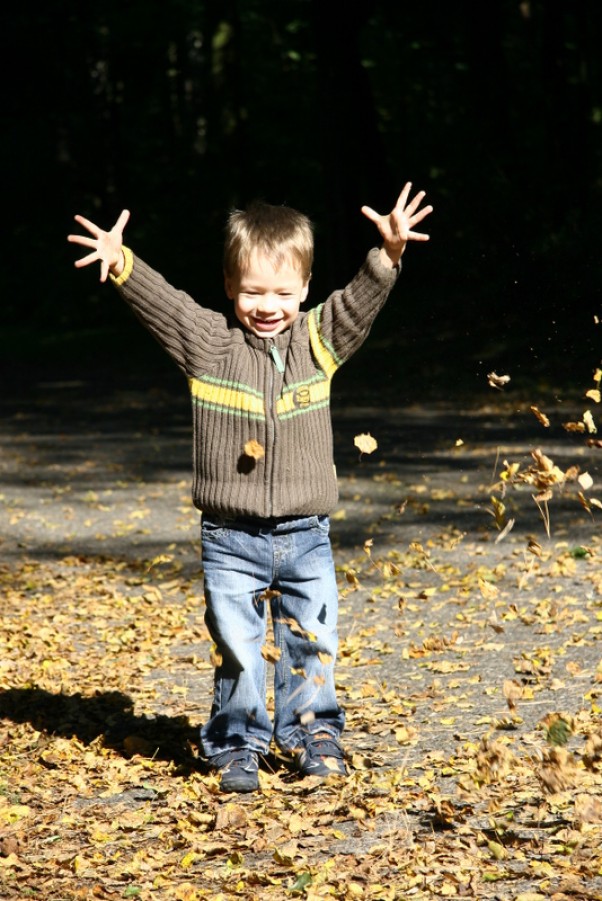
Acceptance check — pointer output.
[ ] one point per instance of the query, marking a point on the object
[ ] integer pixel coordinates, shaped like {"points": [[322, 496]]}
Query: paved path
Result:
{"points": [[436, 613]]}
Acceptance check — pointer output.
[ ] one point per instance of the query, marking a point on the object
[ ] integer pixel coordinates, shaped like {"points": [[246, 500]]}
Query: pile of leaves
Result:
{"points": [[469, 668], [452, 793]]}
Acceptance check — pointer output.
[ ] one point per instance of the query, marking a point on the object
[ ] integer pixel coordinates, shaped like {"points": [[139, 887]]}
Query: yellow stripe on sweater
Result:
{"points": [[303, 397], [227, 397], [324, 354]]}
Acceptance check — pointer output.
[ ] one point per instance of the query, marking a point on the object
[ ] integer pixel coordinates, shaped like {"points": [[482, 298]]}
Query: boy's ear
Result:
{"points": [[305, 290], [228, 287]]}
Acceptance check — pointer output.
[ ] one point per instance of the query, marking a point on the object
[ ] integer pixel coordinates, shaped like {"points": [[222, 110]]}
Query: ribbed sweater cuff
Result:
{"points": [[128, 257]]}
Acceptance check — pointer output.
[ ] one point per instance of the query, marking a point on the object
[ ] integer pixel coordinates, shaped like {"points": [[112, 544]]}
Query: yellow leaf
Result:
{"points": [[513, 692], [188, 860], [488, 590], [366, 443], [588, 419], [254, 449], [497, 381], [498, 851], [541, 417], [14, 812], [271, 653], [187, 892], [585, 480]]}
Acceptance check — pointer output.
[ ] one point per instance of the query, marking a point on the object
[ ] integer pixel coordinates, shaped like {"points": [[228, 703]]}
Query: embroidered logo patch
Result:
{"points": [[302, 396]]}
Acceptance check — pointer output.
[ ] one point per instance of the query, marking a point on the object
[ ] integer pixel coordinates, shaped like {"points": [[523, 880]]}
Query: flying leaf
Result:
{"points": [[366, 443], [541, 417], [588, 419], [499, 512], [254, 449], [585, 480], [507, 528], [497, 381], [271, 653], [559, 730]]}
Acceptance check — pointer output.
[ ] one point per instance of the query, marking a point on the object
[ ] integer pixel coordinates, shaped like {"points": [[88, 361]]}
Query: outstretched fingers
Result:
{"points": [[124, 218], [403, 197], [371, 214], [85, 261], [88, 225]]}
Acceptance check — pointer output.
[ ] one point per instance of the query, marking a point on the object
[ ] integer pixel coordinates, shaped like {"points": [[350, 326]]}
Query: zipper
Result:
{"points": [[271, 420], [276, 358]]}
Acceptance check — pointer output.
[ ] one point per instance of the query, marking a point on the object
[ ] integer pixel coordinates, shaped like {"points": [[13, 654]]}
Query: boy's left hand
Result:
{"points": [[397, 227]]}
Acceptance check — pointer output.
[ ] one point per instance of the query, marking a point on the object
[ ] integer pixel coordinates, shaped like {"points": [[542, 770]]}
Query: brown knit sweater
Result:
{"points": [[243, 405]]}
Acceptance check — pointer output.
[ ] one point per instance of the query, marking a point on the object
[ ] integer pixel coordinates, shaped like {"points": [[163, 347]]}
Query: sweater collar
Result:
{"points": [[280, 341]]}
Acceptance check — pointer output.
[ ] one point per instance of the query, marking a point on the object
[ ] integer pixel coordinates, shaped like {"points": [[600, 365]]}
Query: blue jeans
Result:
{"points": [[288, 566]]}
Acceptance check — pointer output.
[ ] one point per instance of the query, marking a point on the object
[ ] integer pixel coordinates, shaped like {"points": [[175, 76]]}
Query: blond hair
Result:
{"points": [[277, 232]]}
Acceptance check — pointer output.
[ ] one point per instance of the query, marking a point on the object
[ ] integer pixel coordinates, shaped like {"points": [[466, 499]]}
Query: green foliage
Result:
{"points": [[181, 109]]}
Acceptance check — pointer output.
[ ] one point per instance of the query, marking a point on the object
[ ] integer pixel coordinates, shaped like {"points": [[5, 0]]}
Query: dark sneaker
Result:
{"points": [[238, 770], [322, 755]]}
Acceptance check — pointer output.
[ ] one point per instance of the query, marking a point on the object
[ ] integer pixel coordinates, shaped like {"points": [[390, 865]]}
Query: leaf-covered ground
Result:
{"points": [[468, 551]]}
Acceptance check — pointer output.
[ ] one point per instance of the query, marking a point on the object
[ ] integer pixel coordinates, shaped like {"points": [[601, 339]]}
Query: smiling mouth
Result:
{"points": [[266, 323]]}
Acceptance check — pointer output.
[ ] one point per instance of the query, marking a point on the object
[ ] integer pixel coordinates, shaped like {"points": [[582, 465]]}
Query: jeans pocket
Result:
{"points": [[213, 531], [323, 525]]}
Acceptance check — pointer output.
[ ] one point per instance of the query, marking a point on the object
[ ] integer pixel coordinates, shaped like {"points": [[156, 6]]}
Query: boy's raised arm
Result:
{"points": [[397, 228], [106, 246]]}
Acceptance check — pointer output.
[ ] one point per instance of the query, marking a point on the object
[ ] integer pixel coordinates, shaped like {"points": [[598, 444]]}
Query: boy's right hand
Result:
{"points": [[106, 246]]}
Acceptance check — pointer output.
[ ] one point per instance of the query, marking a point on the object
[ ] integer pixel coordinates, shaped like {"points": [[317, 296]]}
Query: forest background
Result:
{"points": [[182, 109]]}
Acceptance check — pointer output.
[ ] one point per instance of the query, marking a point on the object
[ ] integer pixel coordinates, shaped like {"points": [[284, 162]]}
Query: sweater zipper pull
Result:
{"points": [[276, 358]]}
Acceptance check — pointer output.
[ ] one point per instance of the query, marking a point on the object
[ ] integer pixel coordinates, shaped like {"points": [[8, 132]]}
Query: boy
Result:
{"points": [[263, 475]]}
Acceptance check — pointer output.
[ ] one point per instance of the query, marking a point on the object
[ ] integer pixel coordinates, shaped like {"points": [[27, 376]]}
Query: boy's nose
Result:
{"points": [[267, 304]]}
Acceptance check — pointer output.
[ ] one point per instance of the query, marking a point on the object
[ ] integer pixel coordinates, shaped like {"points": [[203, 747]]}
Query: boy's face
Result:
{"points": [[267, 299]]}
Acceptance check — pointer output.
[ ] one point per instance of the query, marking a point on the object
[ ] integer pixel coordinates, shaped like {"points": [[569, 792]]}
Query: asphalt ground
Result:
{"points": [[443, 606]]}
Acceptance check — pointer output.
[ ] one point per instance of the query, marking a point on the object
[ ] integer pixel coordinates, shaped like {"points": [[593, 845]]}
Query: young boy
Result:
{"points": [[263, 471]]}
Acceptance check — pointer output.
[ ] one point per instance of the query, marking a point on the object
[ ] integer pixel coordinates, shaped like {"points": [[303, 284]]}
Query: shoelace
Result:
{"points": [[242, 758], [324, 747]]}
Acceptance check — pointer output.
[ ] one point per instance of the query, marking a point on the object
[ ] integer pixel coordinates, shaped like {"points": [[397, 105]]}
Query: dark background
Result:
{"points": [[181, 109]]}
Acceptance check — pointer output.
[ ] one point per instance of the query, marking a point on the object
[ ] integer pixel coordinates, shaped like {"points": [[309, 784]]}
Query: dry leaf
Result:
{"points": [[497, 381], [586, 481], [488, 590], [366, 443], [542, 418], [499, 512], [513, 692], [588, 419], [271, 653], [507, 528], [254, 449]]}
